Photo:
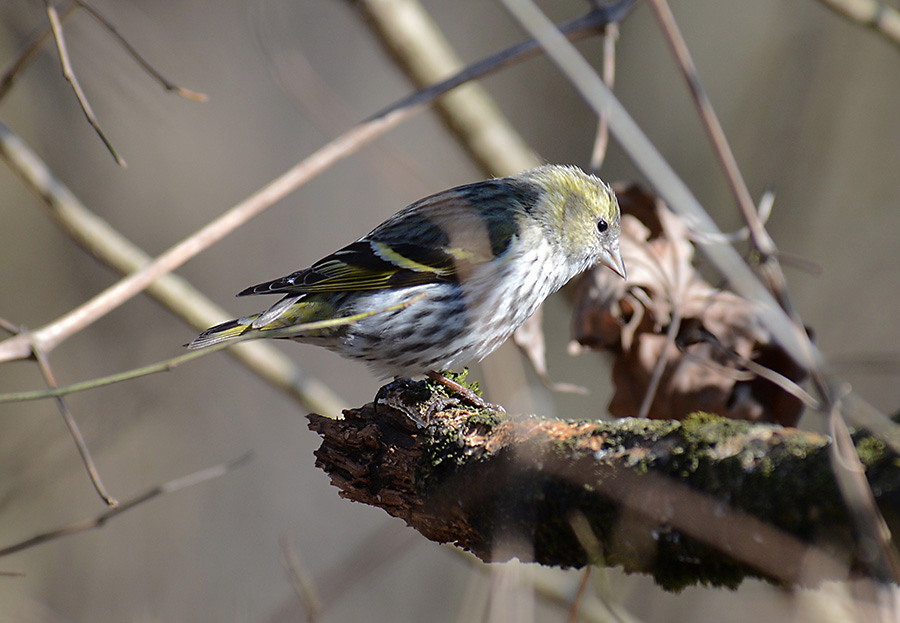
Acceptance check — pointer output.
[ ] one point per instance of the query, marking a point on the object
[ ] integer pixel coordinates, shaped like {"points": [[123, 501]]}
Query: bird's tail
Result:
{"points": [[223, 332]]}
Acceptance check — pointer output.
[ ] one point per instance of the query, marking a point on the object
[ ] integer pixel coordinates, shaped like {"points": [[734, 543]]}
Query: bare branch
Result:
{"points": [[761, 239], [601, 142], [72, 79], [30, 46], [77, 437], [169, 364], [880, 17], [166, 84], [100, 520], [470, 114]]}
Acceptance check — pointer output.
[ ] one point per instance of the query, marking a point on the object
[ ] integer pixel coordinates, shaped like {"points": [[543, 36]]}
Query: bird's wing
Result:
{"points": [[435, 240]]}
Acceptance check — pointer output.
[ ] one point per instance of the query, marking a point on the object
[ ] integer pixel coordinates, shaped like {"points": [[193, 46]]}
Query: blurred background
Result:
{"points": [[808, 100]]}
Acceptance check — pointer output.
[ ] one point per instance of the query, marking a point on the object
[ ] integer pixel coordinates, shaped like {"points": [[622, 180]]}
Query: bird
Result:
{"points": [[446, 280]]}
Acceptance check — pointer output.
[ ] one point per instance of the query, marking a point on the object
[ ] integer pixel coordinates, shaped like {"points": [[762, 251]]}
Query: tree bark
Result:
{"points": [[704, 500]]}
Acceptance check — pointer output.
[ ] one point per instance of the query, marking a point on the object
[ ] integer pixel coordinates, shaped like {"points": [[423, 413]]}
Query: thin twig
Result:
{"points": [[119, 377], [100, 520], [661, 363], [762, 242], [72, 79], [758, 234], [601, 142], [166, 84], [764, 210], [579, 595], [169, 364], [51, 335], [301, 579], [375, 550], [77, 437], [9, 327], [28, 49]]}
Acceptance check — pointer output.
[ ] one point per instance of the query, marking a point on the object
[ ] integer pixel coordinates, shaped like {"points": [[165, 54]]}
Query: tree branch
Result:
{"points": [[707, 500]]}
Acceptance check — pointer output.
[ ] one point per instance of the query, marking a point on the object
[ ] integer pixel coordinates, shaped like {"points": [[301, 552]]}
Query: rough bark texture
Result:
{"points": [[706, 500]]}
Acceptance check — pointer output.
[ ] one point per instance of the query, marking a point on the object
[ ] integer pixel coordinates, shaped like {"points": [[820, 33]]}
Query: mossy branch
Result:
{"points": [[707, 500]]}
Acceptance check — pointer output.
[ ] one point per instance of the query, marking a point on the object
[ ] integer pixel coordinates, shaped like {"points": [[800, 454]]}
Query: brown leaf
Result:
{"points": [[717, 331]]}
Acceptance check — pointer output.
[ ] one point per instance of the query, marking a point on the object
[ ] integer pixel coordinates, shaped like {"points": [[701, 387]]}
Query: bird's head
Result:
{"points": [[580, 213]]}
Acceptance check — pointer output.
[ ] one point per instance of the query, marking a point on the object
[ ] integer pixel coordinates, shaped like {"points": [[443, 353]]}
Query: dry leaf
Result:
{"points": [[665, 298]]}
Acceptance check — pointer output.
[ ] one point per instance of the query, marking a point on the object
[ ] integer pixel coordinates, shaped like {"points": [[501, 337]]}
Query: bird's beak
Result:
{"points": [[612, 259]]}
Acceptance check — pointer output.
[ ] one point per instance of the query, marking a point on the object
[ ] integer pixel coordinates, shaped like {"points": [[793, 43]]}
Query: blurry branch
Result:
{"points": [[100, 520], [119, 377], [706, 500], [51, 335], [470, 113], [301, 579], [850, 474], [883, 19], [547, 589], [589, 24], [371, 553], [175, 293], [77, 437], [72, 79], [422, 51]]}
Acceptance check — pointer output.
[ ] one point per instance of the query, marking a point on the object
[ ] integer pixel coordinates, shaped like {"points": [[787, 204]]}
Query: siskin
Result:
{"points": [[451, 276]]}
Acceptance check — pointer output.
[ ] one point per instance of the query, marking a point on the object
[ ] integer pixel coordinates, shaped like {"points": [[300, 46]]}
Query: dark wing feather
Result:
{"points": [[435, 240]]}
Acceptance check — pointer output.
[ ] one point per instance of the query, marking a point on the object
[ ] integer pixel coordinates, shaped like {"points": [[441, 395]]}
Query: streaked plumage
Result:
{"points": [[484, 256]]}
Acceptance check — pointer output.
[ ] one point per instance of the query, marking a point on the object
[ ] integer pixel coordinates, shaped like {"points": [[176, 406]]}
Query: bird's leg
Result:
{"points": [[463, 391]]}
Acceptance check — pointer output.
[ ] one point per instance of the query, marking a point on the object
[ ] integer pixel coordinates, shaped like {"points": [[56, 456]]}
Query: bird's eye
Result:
{"points": [[602, 226]]}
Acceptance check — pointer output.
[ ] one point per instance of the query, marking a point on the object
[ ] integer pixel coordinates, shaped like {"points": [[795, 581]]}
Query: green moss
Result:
{"points": [[871, 450], [457, 377]]}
